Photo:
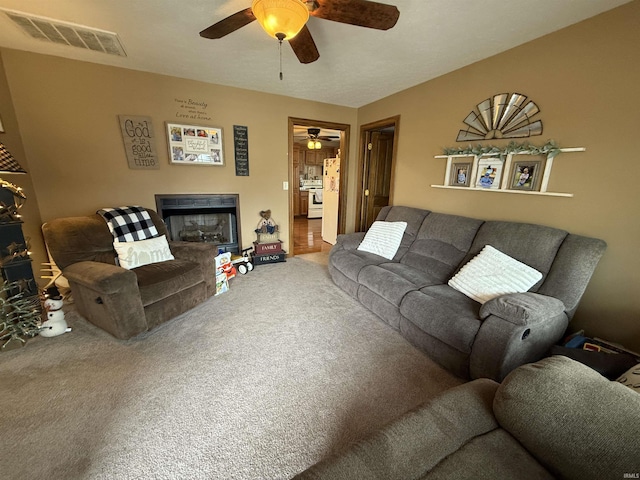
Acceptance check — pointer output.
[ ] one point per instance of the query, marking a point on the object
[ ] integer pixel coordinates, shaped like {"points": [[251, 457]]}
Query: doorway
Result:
{"points": [[378, 148], [306, 177]]}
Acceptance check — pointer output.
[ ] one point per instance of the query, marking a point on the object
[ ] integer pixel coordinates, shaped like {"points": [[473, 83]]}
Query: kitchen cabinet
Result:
{"points": [[316, 157], [304, 203]]}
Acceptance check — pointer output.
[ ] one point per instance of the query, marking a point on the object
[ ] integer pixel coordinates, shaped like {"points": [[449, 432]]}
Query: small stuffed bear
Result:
{"points": [[266, 223]]}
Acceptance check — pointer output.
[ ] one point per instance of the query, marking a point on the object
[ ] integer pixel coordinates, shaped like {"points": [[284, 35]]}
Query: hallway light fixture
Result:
{"points": [[281, 18]]}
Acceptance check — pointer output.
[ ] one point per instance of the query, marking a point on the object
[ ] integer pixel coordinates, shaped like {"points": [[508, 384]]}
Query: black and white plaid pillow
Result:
{"points": [[128, 224]]}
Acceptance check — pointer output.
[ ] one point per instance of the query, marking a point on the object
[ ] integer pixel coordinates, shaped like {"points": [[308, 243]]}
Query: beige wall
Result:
{"points": [[585, 80], [67, 111]]}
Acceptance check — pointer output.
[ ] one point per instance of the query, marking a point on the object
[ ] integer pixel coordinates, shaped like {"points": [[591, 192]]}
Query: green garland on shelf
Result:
{"points": [[550, 149]]}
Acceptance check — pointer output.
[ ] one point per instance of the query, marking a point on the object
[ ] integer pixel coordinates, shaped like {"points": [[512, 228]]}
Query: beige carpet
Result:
{"points": [[318, 257], [258, 383]]}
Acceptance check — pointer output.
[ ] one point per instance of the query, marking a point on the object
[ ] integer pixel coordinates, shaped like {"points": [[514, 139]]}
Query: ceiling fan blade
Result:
{"points": [[362, 13], [304, 47], [229, 24]]}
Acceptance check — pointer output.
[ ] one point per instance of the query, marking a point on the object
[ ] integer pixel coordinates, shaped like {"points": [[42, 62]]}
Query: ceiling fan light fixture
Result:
{"points": [[281, 18], [314, 144]]}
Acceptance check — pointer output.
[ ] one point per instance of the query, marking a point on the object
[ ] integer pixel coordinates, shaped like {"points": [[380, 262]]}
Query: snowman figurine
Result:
{"points": [[55, 324]]}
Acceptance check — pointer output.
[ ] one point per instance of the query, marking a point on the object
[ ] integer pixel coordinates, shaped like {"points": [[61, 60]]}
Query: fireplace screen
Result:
{"points": [[202, 218], [206, 227]]}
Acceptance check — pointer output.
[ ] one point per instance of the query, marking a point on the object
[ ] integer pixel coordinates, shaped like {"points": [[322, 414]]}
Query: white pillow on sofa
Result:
{"points": [[142, 252], [492, 273], [383, 238]]}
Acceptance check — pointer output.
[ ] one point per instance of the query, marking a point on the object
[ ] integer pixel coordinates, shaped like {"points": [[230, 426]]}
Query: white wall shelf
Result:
{"points": [[505, 167]]}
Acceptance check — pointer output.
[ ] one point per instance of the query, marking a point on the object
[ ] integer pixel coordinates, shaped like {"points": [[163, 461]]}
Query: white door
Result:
{"points": [[330, 185]]}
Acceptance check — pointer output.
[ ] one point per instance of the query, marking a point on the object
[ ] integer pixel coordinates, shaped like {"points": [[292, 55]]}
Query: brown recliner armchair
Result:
{"points": [[125, 302]]}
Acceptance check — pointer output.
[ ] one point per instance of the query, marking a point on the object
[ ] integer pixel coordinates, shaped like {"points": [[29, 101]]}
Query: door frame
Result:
{"points": [[365, 135], [344, 161]]}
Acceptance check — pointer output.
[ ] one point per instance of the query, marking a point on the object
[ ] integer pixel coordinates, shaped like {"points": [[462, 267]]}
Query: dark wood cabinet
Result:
{"points": [[304, 202], [15, 263]]}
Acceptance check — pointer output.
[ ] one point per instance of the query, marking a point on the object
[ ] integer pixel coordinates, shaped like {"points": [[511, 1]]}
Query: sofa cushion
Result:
{"points": [[572, 419], [350, 262], [383, 238], [491, 274], [534, 245], [443, 313], [415, 443], [441, 244], [161, 280], [392, 281], [495, 455], [414, 218]]}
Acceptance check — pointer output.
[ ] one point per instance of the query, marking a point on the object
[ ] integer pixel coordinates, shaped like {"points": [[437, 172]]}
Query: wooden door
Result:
{"points": [[377, 179]]}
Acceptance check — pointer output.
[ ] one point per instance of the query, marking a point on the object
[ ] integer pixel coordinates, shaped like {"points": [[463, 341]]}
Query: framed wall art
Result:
{"points": [[195, 145], [460, 175], [524, 169], [525, 175], [489, 173]]}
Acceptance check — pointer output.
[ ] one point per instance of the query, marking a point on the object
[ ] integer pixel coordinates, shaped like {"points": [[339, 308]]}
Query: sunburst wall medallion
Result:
{"points": [[502, 116]]}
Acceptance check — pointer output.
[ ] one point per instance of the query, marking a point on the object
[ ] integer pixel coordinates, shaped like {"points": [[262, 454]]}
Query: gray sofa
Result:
{"points": [[553, 419], [471, 340], [124, 302]]}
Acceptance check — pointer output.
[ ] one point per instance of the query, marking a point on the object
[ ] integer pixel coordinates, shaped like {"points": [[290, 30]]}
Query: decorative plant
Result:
{"points": [[550, 148], [19, 313]]}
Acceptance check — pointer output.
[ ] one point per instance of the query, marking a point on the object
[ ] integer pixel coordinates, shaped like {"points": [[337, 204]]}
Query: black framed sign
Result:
{"points": [[241, 150]]}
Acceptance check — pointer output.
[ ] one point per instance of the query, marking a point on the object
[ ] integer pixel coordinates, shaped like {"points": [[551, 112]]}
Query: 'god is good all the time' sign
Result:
{"points": [[139, 142]]}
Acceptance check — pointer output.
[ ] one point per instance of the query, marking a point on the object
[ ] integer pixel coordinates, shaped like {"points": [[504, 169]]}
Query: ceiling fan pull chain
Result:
{"points": [[280, 38], [280, 48]]}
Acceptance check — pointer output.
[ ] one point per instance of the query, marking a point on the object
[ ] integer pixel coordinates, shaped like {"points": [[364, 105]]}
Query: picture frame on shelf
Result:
{"points": [[195, 145], [460, 175], [526, 175], [489, 173]]}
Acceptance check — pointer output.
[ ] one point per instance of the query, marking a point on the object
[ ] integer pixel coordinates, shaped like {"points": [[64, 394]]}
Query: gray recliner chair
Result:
{"points": [[125, 302]]}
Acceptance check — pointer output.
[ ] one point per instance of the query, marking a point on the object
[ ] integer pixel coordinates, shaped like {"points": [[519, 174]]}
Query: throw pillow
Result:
{"points": [[492, 273], [142, 252], [129, 223], [383, 238], [631, 378]]}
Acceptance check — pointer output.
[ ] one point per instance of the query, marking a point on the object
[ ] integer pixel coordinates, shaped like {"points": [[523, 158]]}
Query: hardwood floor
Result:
{"points": [[307, 236]]}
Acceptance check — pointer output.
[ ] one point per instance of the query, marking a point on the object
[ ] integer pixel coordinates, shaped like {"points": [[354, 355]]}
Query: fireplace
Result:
{"points": [[212, 218]]}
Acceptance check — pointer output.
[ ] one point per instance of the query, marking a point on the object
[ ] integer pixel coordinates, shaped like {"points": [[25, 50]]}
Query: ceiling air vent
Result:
{"points": [[64, 33]]}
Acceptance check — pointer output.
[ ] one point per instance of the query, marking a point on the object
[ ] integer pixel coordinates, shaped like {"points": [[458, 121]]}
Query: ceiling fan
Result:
{"points": [[289, 21], [313, 138]]}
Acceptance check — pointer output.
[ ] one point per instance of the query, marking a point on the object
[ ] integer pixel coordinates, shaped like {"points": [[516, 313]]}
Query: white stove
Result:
{"points": [[315, 203]]}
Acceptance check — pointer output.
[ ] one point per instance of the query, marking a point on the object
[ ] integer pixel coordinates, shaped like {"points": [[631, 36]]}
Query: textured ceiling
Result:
{"points": [[357, 65]]}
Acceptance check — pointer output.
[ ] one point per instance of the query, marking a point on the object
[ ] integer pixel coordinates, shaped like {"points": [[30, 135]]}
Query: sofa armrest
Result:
{"points": [[516, 329], [414, 444], [108, 296], [523, 308], [571, 419], [101, 277], [204, 254], [350, 241]]}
